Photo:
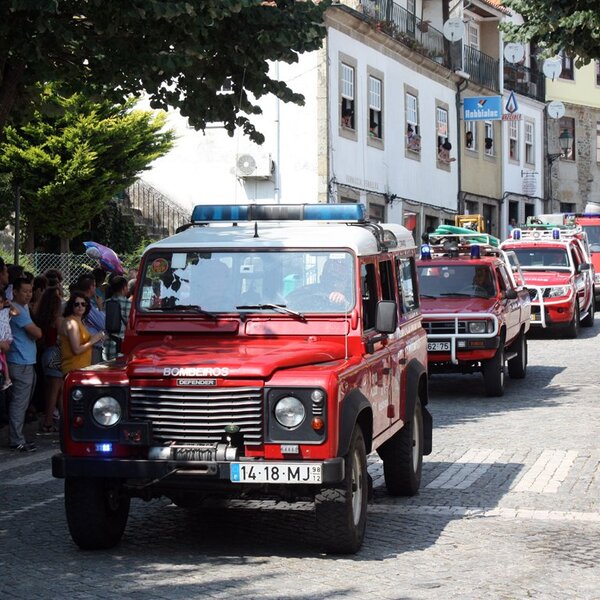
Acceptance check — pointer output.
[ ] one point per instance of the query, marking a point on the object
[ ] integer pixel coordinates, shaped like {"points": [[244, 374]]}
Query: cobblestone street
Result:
{"points": [[509, 508]]}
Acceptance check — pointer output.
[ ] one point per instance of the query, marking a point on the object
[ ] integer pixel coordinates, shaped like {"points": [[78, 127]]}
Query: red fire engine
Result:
{"points": [[475, 309], [558, 272], [268, 351]]}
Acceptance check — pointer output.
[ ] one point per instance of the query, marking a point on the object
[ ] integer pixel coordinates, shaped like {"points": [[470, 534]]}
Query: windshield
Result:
{"points": [[543, 258], [593, 233], [438, 281], [228, 281]]}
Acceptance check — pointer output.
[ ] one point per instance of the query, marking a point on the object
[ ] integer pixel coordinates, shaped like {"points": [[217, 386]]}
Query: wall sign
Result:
{"points": [[482, 108]]}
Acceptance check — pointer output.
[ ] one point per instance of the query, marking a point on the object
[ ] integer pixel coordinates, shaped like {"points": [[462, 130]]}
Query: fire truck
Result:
{"points": [[558, 272], [268, 350], [476, 310]]}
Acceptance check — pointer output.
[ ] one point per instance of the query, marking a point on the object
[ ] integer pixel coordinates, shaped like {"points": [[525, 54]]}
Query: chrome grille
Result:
{"points": [[199, 415], [444, 327]]}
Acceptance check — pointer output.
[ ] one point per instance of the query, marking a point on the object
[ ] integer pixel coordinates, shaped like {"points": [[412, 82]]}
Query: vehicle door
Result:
{"points": [[582, 283], [375, 383], [510, 307]]}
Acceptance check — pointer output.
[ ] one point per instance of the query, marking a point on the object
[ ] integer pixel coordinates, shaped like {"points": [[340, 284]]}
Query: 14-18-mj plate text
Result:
{"points": [[280, 472]]}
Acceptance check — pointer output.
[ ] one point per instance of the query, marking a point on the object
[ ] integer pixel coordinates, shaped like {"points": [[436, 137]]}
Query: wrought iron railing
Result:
{"points": [[155, 210], [482, 68], [408, 29], [524, 80]]}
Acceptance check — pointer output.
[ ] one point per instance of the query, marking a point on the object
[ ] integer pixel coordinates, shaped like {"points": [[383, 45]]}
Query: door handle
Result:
{"points": [[402, 361]]}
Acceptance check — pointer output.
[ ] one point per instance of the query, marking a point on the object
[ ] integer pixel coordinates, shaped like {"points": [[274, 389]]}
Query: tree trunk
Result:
{"points": [[10, 80], [30, 240], [64, 245]]}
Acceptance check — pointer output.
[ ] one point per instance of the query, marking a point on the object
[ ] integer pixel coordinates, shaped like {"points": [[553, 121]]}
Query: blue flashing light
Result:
{"points": [[556, 234], [214, 213], [105, 448], [425, 252], [516, 234], [475, 251]]}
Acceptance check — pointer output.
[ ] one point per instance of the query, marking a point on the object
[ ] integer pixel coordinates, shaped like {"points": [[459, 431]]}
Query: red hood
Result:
{"points": [[253, 359], [430, 306], [547, 278]]}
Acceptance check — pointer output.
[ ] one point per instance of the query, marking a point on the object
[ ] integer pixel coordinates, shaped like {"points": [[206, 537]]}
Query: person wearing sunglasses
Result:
{"points": [[76, 342]]}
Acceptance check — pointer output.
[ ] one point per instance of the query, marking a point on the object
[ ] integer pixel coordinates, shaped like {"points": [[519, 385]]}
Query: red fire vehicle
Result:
{"points": [[475, 311], [590, 223], [558, 273], [268, 351]]}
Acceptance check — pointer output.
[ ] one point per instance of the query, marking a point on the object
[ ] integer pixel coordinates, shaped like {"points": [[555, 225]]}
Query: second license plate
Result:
{"points": [[438, 346]]}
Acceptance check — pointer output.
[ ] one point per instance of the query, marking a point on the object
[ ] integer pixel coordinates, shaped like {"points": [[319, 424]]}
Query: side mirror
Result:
{"points": [[386, 316], [113, 317], [511, 294], [583, 267]]}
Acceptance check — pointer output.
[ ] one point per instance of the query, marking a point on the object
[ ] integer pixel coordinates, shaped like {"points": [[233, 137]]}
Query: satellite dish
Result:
{"points": [[514, 52], [552, 68], [454, 29], [246, 165], [556, 109]]}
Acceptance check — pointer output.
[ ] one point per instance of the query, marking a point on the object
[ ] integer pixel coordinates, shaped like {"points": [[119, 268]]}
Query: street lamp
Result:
{"points": [[565, 140]]}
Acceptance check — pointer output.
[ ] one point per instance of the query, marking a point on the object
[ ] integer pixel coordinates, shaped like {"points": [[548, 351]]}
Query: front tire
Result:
{"points": [[573, 329], [97, 512], [341, 511], [402, 457], [588, 320], [517, 366], [493, 373]]}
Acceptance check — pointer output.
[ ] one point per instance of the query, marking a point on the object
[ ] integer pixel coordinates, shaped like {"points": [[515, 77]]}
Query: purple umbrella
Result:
{"points": [[105, 256]]}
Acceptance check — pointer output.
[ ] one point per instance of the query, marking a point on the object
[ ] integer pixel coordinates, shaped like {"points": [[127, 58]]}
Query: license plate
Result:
{"points": [[438, 346], [282, 472]]}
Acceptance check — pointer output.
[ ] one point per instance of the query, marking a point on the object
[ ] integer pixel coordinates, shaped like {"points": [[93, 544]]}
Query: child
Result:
{"points": [[6, 311]]}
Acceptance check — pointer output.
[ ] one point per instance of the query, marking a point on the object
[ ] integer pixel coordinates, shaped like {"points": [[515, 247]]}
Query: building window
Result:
{"points": [[513, 140], [597, 72], [471, 135], [567, 207], [568, 123], [473, 35], [413, 136], [529, 143], [488, 141], [375, 108], [348, 108], [442, 125], [568, 72], [598, 141]]}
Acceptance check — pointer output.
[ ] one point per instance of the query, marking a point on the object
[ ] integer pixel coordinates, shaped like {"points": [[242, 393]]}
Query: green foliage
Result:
{"points": [[75, 155], [179, 52], [132, 259], [554, 25]]}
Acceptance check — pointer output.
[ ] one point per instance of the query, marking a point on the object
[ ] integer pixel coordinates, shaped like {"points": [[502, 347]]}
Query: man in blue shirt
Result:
{"points": [[21, 358]]}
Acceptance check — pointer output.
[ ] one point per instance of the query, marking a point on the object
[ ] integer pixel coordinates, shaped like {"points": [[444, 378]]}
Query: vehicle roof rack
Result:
{"points": [[547, 232], [459, 244]]}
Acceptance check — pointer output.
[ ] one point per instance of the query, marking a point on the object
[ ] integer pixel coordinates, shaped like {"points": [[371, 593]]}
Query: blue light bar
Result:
{"points": [[425, 252], [105, 448], [516, 234], [215, 213], [475, 251], [556, 234]]}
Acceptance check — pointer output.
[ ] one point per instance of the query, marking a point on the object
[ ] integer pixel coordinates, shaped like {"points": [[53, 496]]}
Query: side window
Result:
{"points": [[368, 285], [503, 279], [407, 287], [387, 280]]}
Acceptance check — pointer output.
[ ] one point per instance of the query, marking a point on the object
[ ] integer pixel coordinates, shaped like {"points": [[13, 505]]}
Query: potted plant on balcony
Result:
{"points": [[423, 26]]}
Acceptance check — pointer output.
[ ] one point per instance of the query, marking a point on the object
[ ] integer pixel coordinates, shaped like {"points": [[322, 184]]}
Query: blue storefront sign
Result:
{"points": [[482, 108]]}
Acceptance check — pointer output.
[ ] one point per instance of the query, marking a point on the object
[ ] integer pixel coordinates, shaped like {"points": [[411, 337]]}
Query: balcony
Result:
{"points": [[408, 29], [482, 68], [524, 80]]}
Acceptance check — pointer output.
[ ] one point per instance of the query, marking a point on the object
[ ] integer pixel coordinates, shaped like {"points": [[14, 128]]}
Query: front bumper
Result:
{"points": [[157, 470]]}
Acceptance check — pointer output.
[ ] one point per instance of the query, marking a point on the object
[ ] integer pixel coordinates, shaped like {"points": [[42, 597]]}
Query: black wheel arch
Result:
{"points": [[417, 387]]}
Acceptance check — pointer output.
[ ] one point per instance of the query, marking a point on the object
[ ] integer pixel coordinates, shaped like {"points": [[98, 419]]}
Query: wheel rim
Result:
{"points": [[357, 486]]}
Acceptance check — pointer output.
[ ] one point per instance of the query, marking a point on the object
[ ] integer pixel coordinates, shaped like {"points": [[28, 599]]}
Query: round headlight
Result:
{"points": [[77, 394], [106, 411], [477, 327], [317, 396], [289, 412]]}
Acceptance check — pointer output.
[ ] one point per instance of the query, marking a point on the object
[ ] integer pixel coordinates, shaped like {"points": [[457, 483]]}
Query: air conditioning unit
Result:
{"points": [[254, 166]]}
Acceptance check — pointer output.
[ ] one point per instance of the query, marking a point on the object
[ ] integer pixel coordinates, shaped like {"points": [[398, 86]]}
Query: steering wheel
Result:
{"points": [[308, 299]]}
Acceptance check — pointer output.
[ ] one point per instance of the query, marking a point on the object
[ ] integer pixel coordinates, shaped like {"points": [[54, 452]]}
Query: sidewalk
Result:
{"points": [[30, 431]]}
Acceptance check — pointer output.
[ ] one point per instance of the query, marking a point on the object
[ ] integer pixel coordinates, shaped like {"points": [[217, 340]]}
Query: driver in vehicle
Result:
{"points": [[333, 281], [482, 281]]}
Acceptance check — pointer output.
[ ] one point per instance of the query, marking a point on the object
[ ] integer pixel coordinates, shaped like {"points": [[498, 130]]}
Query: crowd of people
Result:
{"points": [[46, 333]]}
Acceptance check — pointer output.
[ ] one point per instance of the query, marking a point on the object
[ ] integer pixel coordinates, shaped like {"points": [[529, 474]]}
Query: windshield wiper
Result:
{"points": [[193, 307], [460, 295], [280, 308]]}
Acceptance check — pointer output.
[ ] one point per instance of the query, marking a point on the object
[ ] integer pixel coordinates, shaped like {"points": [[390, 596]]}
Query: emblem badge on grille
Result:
{"points": [[202, 382]]}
